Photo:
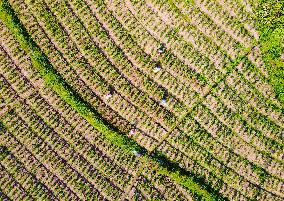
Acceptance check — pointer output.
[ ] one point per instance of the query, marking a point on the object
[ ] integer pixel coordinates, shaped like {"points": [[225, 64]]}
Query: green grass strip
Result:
{"points": [[56, 82], [270, 23]]}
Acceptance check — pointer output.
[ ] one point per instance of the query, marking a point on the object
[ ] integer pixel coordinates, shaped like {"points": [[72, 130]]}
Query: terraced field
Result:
{"points": [[139, 100]]}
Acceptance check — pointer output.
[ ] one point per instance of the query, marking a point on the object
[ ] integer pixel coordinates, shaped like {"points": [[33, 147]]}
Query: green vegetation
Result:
{"points": [[56, 83], [270, 21], [142, 100]]}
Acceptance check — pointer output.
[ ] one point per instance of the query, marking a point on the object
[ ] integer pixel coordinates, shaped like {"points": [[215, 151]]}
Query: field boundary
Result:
{"points": [[270, 24]]}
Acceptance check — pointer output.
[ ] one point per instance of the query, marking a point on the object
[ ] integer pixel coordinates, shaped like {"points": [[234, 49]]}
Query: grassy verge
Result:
{"points": [[57, 83], [270, 23]]}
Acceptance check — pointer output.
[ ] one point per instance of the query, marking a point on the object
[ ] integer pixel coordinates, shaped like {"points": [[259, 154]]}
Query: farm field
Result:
{"points": [[141, 100]]}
